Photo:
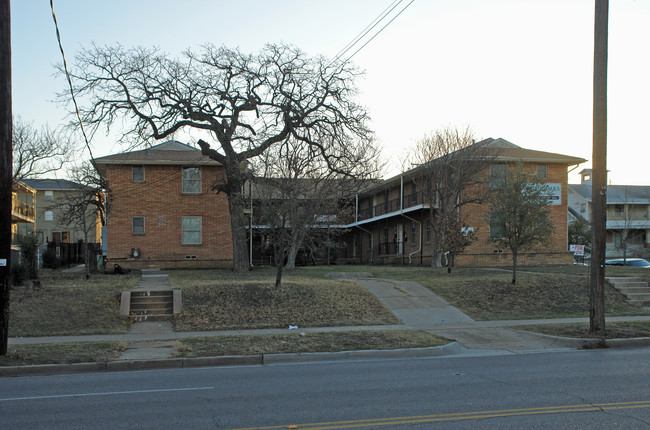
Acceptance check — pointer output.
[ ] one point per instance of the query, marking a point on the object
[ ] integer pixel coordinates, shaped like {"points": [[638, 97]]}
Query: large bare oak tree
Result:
{"points": [[242, 104]]}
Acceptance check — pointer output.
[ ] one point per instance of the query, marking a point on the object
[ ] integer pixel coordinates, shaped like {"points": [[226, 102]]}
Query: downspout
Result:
{"points": [[401, 211]]}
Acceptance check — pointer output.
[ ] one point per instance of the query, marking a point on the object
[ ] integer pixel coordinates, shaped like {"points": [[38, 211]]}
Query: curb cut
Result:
{"points": [[233, 360]]}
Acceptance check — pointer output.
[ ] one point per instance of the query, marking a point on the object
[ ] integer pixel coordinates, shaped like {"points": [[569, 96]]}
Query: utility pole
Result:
{"points": [[5, 171], [599, 178]]}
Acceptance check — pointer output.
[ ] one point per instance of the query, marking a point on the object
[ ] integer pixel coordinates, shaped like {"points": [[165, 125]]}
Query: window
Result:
{"points": [[191, 230], [583, 208], [497, 225], [137, 225], [428, 231], [49, 215], [49, 195], [497, 175], [541, 171], [191, 180], [618, 209], [413, 233], [137, 174]]}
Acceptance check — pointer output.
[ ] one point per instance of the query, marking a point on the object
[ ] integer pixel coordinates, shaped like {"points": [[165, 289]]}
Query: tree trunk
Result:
{"points": [[279, 264], [296, 241], [514, 268], [238, 223]]}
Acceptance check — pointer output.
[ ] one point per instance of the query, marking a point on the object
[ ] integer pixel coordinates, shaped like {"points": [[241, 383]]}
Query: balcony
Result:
{"points": [[22, 212]]}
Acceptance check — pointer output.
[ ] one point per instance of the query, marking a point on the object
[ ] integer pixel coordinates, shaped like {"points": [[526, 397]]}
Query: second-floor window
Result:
{"points": [[49, 195], [542, 172], [191, 180], [498, 175], [137, 173]]}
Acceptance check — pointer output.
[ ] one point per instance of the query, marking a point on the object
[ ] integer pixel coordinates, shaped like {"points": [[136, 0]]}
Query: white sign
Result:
{"points": [[577, 249]]}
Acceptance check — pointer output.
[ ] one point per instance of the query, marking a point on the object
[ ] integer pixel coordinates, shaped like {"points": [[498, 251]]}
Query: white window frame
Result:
{"points": [[48, 195], [48, 215], [133, 173], [185, 180], [185, 229], [544, 174], [133, 226]]}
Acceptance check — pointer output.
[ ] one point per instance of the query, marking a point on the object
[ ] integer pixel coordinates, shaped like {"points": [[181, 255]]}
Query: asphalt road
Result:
{"points": [[577, 389]]}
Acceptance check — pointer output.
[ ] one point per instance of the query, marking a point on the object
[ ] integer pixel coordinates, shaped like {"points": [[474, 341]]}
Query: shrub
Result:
{"points": [[29, 247], [19, 273], [50, 260]]}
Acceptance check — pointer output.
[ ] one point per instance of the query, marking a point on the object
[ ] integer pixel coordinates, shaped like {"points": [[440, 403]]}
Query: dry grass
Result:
{"points": [[62, 353], [222, 300], [613, 330], [310, 342], [68, 304], [487, 294]]}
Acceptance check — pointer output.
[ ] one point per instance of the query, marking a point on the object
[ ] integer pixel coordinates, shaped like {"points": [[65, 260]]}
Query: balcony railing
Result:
{"points": [[410, 200], [23, 211]]}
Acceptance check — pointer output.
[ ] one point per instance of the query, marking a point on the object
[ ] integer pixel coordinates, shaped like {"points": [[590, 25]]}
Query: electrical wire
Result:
{"points": [[380, 30], [67, 74], [368, 28]]}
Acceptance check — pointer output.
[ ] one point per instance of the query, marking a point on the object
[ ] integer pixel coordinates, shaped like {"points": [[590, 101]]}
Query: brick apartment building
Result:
{"points": [[392, 218], [162, 211]]}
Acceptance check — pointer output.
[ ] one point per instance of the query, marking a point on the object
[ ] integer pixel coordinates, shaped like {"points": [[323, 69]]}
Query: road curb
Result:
{"points": [[271, 359], [235, 360]]}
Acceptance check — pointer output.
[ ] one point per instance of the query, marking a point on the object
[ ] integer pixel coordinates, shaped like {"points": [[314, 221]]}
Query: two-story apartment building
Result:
{"points": [[392, 222], [162, 209], [628, 215], [50, 227]]}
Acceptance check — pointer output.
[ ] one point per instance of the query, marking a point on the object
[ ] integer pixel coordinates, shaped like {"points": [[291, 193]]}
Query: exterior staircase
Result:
{"points": [[634, 289], [151, 305]]}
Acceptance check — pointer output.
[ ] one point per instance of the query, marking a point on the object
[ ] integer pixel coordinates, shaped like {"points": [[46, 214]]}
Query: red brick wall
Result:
{"points": [[161, 201]]}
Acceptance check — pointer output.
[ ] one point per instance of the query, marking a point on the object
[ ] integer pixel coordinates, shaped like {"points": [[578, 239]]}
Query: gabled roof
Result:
{"points": [[167, 153], [501, 151], [51, 184], [617, 194], [507, 151]]}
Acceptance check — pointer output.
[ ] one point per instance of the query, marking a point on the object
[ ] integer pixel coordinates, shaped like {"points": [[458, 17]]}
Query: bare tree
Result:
{"points": [[451, 165], [37, 153], [519, 213], [243, 104], [84, 205], [298, 195]]}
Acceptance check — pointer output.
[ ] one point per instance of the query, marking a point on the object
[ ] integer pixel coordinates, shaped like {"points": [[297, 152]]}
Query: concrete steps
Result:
{"points": [[150, 305], [635, 290]]}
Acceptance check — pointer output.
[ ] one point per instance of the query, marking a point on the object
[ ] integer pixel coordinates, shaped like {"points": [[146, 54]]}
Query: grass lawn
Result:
{"points": [[68, 304], [487, 294], [62, 353], [223, 300], [613, 330], [310, 342]]}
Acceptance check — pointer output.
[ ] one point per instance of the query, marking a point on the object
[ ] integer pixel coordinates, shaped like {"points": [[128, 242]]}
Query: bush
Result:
{"points": [[29, 247], [50, 260], [19, 273]]}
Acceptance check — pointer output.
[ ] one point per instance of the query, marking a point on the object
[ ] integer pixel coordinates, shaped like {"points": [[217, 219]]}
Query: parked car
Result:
{"points": [[631, 262]]}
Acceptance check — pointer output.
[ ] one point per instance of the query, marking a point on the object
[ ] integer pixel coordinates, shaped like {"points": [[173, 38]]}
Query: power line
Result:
{"points": [[369, 27], [380, 30], [67, 75]]}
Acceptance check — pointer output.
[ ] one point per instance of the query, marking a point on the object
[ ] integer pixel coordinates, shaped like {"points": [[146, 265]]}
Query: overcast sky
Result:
{"points": [[520, 69]]}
